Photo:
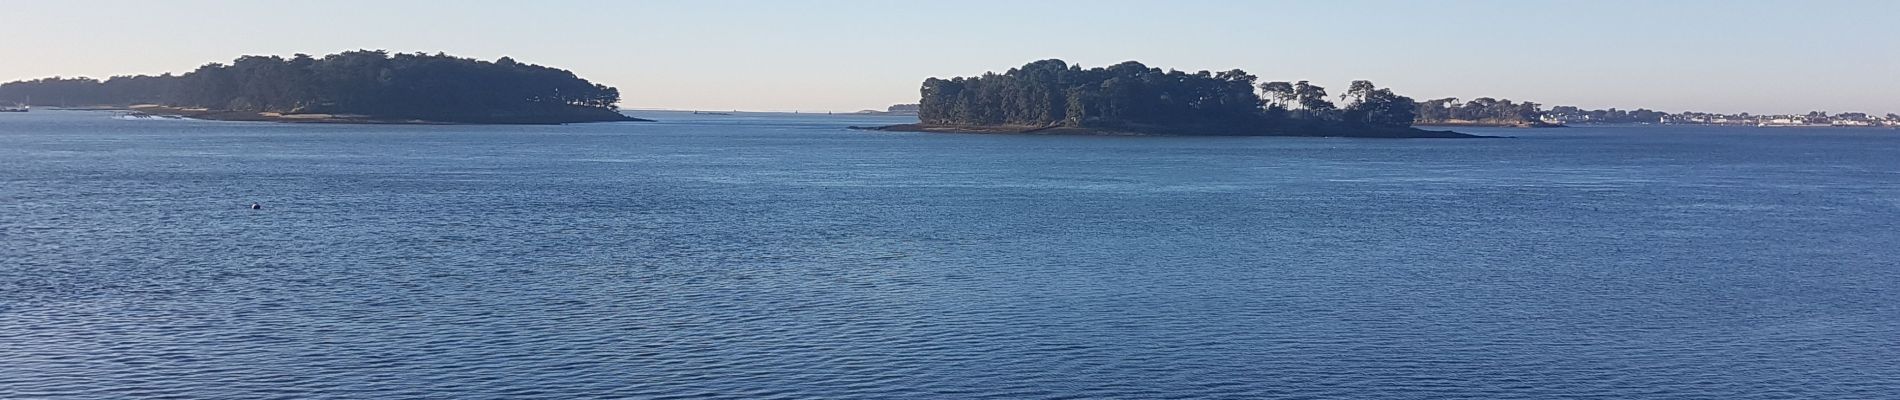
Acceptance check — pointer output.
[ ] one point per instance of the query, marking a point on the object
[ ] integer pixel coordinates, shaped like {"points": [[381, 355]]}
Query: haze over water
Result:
{"points": [[776, 256]]}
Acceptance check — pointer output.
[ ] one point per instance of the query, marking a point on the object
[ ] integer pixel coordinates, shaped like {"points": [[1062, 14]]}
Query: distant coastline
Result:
{"points": [[1384, 133], [899, 109], [1494, 112]]}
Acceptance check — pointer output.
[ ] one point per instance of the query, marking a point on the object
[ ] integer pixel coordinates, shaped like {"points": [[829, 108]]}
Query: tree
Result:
{"points": [[1312, 100], [1281, 92], [1357, 92], [1372, 106]]}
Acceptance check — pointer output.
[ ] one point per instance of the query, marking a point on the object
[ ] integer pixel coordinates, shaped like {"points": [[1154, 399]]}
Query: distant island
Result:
{"points": [[897, 109], [351, 87], [1054, 97]]}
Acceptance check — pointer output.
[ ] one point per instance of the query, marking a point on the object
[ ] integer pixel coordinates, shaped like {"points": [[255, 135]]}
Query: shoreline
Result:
{"points": [[1491, 124], [1377, 133], [247, 116]]}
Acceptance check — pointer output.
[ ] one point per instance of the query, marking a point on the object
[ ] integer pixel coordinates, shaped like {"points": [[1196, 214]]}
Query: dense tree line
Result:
{"points": [[1489, 110], [1055, 93], [422, 86], [1609, 116], [1479, 109]]}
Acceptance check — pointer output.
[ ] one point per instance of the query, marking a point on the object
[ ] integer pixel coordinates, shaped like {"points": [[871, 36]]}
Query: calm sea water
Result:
{"points": [[778, 256]]}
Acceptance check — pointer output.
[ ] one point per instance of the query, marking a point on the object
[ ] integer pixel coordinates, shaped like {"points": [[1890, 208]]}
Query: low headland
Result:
{"points": [[358, 87], [1053, 97]]}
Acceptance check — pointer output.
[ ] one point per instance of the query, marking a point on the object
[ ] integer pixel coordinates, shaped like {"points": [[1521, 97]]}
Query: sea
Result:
{"points": [[784, 256]]}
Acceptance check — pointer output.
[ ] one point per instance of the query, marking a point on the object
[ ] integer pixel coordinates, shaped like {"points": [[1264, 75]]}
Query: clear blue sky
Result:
{"points": [[1732, 56]]}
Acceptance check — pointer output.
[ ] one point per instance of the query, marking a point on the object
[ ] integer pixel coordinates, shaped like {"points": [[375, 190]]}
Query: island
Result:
{"points": [[897, 109], [351, 87], [1055, 97]]}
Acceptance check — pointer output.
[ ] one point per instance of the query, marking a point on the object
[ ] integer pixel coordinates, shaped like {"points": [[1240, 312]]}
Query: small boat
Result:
{"points": [[19, 107]]}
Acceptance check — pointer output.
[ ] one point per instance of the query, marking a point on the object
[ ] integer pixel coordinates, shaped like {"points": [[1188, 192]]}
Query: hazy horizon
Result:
{"points": [[1759, 57]]}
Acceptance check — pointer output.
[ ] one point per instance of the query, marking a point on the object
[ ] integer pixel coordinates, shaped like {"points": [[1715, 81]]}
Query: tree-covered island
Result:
{"points": [[1052, 96], [356, 86]]}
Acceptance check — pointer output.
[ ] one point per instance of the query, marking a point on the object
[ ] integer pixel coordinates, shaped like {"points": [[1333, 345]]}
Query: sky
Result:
{"points": [[786, 55]]}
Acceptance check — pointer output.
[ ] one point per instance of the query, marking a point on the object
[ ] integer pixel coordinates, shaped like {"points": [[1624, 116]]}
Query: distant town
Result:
{"points": [[1572, 115], [1485, 111], [1810, 119]]}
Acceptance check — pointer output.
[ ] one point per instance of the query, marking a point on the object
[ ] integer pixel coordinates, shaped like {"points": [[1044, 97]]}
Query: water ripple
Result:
{"points": [[796, 260]]}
